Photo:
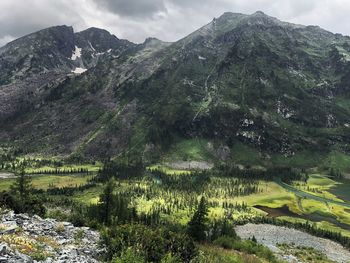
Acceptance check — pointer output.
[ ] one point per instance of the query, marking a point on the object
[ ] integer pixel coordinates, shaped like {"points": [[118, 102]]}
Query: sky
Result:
{"points": [[168, 20]]}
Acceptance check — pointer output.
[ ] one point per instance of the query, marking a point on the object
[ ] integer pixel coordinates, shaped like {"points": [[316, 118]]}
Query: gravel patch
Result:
{"points": [[183, 165], [7, 175], [270, 236]]}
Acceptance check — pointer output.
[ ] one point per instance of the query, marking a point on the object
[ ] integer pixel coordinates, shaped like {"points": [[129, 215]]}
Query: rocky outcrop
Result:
{"points": [[26, 238]]}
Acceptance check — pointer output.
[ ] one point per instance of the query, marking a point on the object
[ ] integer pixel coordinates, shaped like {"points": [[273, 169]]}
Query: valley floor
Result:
{"points": [[173, 193]]}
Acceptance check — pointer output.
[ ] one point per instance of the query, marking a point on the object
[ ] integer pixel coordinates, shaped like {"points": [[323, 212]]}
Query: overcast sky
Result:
{"points": [[168, 20]]}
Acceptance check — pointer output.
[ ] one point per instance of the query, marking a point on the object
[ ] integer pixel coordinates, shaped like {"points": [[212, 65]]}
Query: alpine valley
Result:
{"points": [[229, 145]]}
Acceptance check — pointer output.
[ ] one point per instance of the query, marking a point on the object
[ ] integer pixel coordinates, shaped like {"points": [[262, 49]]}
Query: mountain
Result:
{"points": [[31, 65], [246, 88]]}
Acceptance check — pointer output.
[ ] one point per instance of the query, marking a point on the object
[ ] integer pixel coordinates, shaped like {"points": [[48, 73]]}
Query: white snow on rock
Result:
{"points": [[201, 58], [76, 53], [79, 70], [247, 122]]}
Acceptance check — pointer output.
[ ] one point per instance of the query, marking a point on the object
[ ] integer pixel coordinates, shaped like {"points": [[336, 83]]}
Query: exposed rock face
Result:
{"points": [[276, 86], [26, 238], [223, 152]]}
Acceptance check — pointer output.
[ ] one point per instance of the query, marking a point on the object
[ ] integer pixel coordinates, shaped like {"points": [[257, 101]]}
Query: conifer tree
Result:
{"points": [[197, 225], [22, 187], [107, 201]]}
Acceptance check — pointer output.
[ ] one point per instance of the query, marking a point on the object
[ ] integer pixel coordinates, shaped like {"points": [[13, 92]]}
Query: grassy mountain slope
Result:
{"points": [[278, 89]]}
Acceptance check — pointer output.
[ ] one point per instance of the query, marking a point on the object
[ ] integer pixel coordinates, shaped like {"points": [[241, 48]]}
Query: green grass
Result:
{"points": [[89, 167], [337, 160], [215, 254], [317, 180], [273, 196], [191, 149], [168, 170], [245, 155], [47, 181], [89, 196], [305, 159], [305, 254], [308, 159], [343, 102], [319, 185]]}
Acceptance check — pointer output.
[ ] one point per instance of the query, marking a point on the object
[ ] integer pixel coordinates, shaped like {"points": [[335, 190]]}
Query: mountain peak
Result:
{"points": [[96, 31], [229, 16], [101, 39], [54, 31], [151, 40], [259, 13]]}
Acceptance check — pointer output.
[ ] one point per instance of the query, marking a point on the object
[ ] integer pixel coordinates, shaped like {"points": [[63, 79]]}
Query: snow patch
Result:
{"points": [[201, 58], [76, 53], [247, 122], [79, 70]]}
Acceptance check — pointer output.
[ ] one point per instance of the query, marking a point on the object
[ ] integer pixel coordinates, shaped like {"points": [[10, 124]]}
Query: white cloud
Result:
{"points": [[5, 39], [168, 20]]}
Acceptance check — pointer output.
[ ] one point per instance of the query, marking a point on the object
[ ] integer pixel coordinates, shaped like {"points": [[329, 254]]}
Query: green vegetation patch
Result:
{"points": [[305, 254], [191, 149], [45, 182]]}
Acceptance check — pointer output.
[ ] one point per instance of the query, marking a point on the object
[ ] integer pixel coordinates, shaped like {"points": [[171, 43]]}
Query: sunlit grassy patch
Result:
{"points": [[273, 196], [191, 149], [168, 170], [89, 196], [76, 167], [215, 254], [48, 181]]}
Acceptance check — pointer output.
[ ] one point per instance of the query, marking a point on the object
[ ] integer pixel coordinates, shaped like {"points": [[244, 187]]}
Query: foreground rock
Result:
{"points": [[272, 236], [33, 239]]}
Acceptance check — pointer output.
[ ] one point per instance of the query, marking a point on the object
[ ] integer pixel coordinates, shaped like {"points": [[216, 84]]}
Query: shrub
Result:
{"points": [[154, 243], [225, 242], [129, 256], [59, 228], [247, 246], [169, 258]]}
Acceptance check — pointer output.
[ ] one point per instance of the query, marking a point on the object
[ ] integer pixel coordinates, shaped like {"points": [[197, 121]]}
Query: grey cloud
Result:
{"points": [[18, 18], [133, 8], [168, 20]]}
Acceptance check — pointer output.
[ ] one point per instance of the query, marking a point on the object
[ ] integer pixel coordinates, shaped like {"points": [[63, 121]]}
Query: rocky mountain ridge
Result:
{"points": [[275, 87]]}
